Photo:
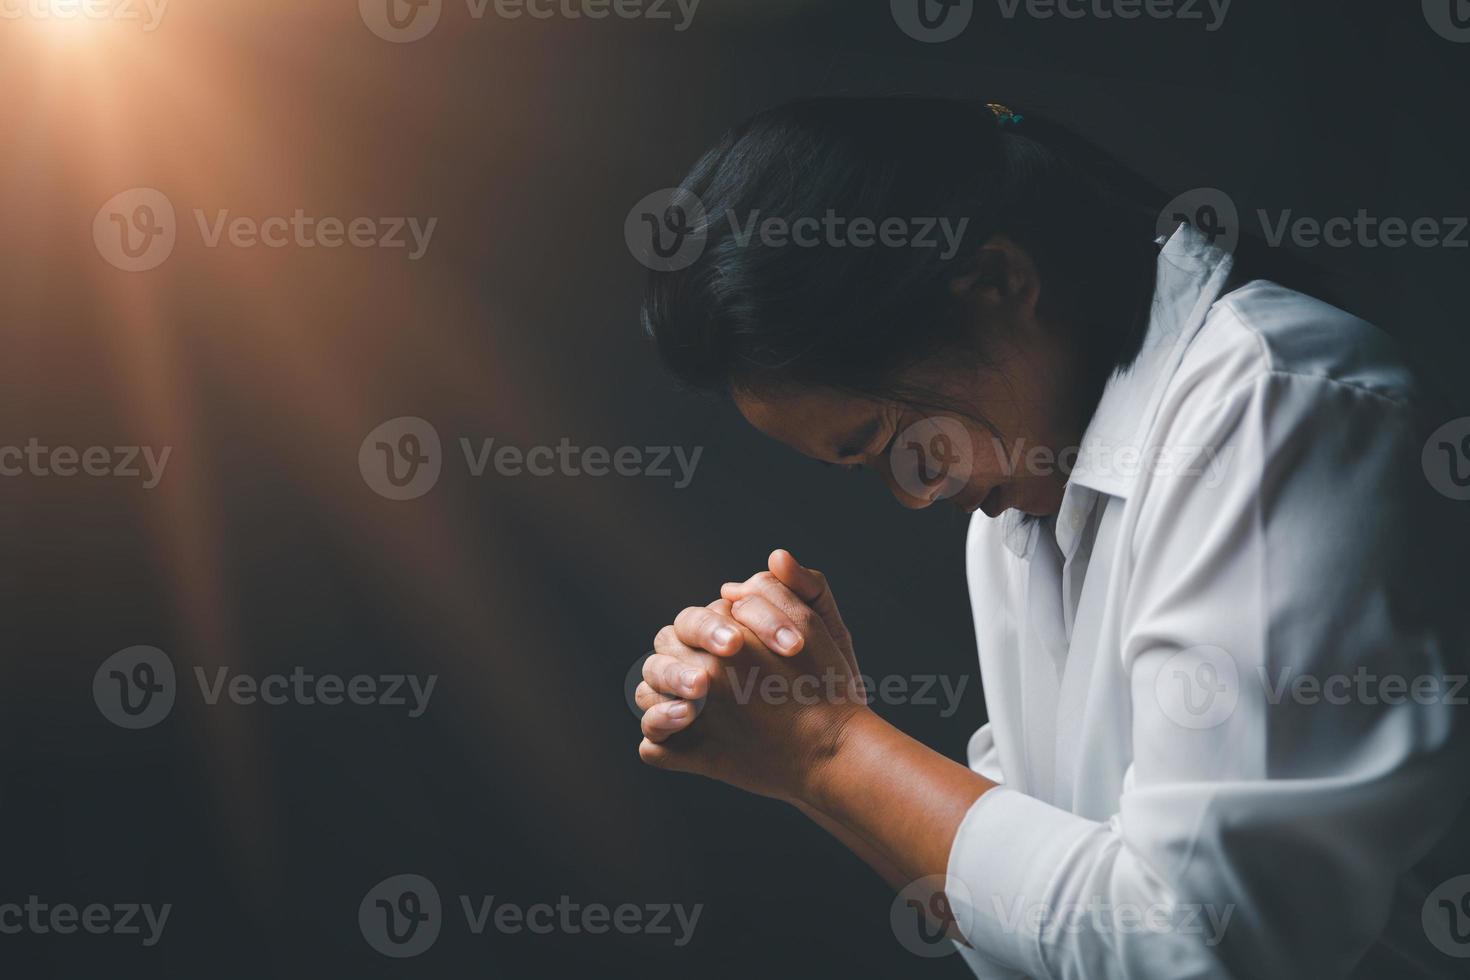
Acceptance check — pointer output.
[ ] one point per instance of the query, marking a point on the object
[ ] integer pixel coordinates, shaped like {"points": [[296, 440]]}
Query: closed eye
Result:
{"points": [[888, 447]]}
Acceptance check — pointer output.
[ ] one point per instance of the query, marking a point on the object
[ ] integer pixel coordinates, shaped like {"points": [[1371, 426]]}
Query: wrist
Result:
{"points": [[848, 739]]}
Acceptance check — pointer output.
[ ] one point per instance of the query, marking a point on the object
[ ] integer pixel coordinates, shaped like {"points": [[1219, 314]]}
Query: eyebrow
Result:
{"points": [[858, 441]]}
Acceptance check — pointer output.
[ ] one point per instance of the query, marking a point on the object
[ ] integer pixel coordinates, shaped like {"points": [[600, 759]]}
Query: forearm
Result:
{"points": [[863, 848], [900, 797]]}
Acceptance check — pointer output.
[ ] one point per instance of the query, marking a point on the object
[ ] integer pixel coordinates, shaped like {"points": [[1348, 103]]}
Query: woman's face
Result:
{"points": [[1029, 392]]}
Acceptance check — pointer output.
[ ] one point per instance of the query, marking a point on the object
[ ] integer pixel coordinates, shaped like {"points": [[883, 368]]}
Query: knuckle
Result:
{"points": [[712, 622], [665, 639], [654, 671], [685, 617], [672, 676], [771, 616], [746, 612], [646, 697]]}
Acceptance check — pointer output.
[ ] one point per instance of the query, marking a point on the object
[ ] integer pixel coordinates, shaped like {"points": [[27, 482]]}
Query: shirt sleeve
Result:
{"points": [[1282, 780], [983, 755]]}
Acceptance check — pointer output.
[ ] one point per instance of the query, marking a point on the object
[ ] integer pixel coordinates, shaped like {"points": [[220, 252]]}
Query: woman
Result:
{"points": [[1196, 559]]}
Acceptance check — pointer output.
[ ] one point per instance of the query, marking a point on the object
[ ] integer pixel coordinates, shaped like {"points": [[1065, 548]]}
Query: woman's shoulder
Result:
{"points": [[1262, 330]]}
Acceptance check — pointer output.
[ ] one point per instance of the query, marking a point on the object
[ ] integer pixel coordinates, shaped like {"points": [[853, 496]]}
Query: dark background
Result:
{"points": [[263, 548]]}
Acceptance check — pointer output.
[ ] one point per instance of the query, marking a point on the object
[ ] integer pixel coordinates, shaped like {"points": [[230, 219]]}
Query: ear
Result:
{"points": [[1002, 274]]}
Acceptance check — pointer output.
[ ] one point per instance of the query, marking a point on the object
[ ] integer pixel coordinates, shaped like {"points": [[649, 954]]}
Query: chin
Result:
{"points": [[1039, 498]]}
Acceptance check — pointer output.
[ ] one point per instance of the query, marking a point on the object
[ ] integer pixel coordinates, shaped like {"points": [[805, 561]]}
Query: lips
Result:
{"points": [[968, 502]]}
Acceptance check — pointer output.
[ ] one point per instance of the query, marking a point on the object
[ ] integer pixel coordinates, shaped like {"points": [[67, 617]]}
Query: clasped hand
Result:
{"points": [[768, 672]]}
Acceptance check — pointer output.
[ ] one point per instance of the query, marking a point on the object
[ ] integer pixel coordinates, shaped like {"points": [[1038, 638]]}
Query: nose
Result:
{"points": [[905, 498]]}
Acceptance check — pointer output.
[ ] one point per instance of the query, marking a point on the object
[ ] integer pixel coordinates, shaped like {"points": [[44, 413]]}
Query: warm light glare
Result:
{"points": [[80, 21]]}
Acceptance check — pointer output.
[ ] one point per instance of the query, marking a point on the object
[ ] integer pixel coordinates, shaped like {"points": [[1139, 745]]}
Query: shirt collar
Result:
{"points": [[1191, 275]]}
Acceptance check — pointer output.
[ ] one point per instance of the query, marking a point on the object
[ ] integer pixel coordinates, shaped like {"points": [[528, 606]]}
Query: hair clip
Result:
{"points": [[1003, 114]]}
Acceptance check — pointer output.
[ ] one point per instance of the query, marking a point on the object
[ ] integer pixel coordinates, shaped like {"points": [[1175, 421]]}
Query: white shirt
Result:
{"points": [[1174, 802]]}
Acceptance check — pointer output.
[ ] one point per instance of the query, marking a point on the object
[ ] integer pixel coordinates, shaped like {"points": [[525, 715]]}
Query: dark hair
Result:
{"points": [[749, 314]]}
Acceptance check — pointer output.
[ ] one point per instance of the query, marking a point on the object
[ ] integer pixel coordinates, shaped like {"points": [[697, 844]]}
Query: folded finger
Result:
{"points": [[675, 676], [788, 580], [706, 628], [646, 697], [771, 624], [666, 719]]}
